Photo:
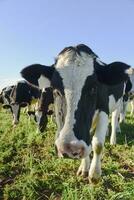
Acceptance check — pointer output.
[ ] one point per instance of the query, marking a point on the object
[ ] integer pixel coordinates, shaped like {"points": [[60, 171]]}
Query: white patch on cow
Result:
{"points": [[129, 71], [115, 125], [15, 110], [74, 70], [38, 115], [123, 111], [99, 61], [97, 144], [132, 81], [115, 109], [43, 82], [132, 107], [113, 104]]}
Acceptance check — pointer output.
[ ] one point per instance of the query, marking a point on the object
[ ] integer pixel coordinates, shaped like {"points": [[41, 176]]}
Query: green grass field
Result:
{"points": [[30, 169]]}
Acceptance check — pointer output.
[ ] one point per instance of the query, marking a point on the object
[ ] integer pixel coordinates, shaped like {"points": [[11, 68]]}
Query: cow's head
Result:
{"points": [[42, 112], [75, 89], [74, 80]]}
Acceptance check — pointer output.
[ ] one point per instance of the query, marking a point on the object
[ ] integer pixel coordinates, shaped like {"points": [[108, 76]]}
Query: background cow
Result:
{"points": [[128, 98], [85, 90], [20, 95], [5, 95], [24, 95]]}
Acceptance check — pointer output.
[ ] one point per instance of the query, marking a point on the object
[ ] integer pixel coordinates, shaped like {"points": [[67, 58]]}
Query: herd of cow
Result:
{"points": [[84, 91]]}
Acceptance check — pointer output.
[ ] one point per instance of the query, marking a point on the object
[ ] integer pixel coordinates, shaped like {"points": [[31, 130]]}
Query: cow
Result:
{"points": [[24, 95], [5, 96], [85, 91], [128, 98], [118, 115], [131, 95], [17, 96]]}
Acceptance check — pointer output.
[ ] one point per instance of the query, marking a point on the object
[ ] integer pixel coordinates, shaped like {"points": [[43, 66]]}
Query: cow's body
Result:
{"points": [[84, 92]]}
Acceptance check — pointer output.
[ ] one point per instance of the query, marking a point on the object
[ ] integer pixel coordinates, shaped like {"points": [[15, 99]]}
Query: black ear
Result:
{"points": [[33, 73], [113, 73]]}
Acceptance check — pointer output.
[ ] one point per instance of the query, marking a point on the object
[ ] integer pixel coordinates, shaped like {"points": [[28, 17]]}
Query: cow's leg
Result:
{"points": [[16, 113], [114, 124], [97, 145], [84, 167], [132, 107], [123, 112]]}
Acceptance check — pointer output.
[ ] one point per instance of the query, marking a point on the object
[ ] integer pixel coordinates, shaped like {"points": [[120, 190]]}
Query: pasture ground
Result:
{"points": [[30, 169]]}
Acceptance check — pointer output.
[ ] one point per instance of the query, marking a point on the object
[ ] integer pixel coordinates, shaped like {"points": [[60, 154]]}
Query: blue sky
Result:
{"points": [[35, 31]]}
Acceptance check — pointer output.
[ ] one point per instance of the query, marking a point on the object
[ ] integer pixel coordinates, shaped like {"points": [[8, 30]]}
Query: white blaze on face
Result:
{"points": [[15, 110], [74, 70]]}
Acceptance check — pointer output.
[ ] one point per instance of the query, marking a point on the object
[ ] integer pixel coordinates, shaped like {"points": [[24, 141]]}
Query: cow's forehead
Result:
{"points": [[70, 57], [74, 68]]}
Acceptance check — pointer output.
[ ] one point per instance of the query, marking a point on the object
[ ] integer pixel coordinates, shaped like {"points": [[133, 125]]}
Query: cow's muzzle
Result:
{"points": [[75, 151]]}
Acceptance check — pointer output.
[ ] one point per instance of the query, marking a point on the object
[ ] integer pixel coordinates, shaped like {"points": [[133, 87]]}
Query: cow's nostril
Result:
{"points": [[65, 155], [75, 154]]}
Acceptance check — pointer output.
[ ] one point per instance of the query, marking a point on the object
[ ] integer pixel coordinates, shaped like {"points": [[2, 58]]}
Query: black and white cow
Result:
{"points": [[131, 96], [5, 95], [23, 94], [128, 98], [85, 90], [118, 115], [19, 95]]}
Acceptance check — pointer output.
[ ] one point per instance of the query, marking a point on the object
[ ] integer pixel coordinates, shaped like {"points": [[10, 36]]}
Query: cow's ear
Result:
{"points": [[113, 73], [6, 106], [38, 75]]}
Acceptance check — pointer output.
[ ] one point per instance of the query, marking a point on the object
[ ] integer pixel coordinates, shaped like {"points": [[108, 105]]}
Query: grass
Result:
{"points": [[30, 169]]}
